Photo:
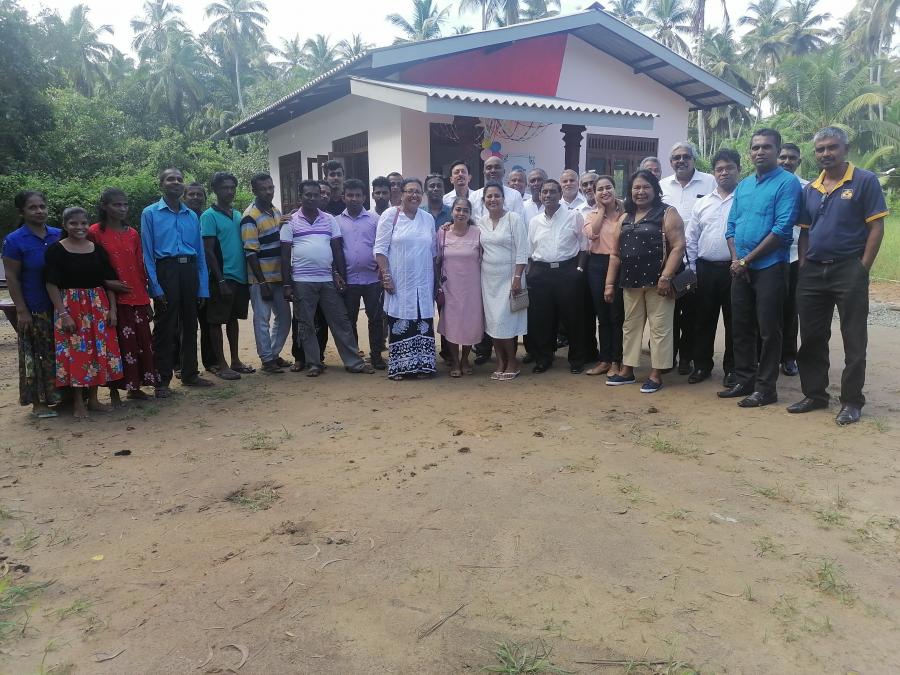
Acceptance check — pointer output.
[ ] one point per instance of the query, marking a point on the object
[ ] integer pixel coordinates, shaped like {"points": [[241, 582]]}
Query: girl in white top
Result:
{"points": [[504, 240]]}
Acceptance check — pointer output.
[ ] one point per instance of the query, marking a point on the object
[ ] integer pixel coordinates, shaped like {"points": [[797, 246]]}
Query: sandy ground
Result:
{"points": [[597, 522]]}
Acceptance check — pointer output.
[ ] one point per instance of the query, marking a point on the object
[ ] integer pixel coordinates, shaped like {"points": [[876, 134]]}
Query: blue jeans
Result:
{"points": [[270, 337]]}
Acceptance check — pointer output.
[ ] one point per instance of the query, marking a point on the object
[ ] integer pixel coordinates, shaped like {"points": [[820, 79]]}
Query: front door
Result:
{"points": [[290, 173], [353, 153], [618, 156]]}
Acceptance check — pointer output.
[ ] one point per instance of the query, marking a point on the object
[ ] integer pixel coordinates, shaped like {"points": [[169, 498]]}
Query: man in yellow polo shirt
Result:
{"points": [[842, 224]]}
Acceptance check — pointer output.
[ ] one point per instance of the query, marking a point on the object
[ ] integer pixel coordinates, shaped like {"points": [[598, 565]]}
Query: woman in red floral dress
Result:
{"points": [[123, 244], [87, 350]]}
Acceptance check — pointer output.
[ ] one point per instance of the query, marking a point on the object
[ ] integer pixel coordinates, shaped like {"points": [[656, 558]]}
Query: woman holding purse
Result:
{"points": [[504, 242]]}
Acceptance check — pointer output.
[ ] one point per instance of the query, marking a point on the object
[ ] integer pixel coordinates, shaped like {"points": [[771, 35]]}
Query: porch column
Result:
{"points": [[466, 131], [572, 134]]}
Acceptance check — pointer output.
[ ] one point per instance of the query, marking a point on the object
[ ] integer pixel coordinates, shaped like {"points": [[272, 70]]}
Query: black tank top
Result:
{"points": [[641, 249]]}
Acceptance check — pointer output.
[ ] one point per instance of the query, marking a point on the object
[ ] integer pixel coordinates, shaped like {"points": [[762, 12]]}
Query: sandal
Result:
{"points": [[366, 370], [244, 368], [496, 374], [455, 373], [296, 367], [509, 376], [314, 371], [396, 378], [600, 369], [227, 374], [44, 414]]}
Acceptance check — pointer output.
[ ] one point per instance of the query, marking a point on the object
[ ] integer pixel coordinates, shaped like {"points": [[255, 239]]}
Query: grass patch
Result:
{"points": [[880, 424], [256, 498], [667, 447], [530, 657], [831, 517], [765, 546], [12, 598], [28, 540], [828, 577], [80, 607], [887, 264], [218, 393]]}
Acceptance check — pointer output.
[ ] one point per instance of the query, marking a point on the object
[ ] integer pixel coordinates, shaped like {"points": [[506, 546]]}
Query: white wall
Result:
{"points": [[591, 76], [313, 133]]}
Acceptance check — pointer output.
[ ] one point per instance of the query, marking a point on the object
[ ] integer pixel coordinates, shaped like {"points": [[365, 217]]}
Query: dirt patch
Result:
{"points": [[349, 524]]}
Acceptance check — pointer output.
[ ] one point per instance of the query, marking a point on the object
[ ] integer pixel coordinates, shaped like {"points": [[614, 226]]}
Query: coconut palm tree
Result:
{"points": [[667, 21], [538, 9], [627, 11], [150, 30], [319, 56], [801, 33], [175, 77], [426, 24], [78, 50], [291, 54], [488, 9], [238, 22], [352, 48]]}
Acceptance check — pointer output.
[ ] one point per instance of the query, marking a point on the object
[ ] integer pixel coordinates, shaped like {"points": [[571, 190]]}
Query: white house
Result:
{"points": [[581, 91]]}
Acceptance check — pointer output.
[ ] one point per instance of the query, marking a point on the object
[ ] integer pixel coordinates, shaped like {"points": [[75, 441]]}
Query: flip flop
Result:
{"points": [[509, 376], [245, 369], [296, 367], [44, 414], [455, 373], [496, 374]]}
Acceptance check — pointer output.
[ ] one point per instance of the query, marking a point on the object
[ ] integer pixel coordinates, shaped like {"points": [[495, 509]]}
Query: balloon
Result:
{"points": [[497, 154], [485, 154], [486, 143], [495, 146]]}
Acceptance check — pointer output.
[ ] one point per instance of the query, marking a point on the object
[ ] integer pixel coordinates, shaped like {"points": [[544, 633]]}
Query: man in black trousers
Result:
{"points": [[842, 224], [759, 235], [556, 280]]}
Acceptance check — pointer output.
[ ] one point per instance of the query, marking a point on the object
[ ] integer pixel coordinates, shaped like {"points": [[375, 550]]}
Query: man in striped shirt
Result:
{"points": [[260, 232]]}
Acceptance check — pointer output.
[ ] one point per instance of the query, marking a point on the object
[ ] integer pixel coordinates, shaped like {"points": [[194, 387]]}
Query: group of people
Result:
{"points": [[558, 262]]}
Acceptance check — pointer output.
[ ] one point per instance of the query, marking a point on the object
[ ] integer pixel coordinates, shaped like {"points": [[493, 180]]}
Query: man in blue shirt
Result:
{"points": [[178, 281], [841, 227], [759, 235]]}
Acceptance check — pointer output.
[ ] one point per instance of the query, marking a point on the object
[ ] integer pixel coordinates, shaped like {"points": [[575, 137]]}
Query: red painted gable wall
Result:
{"points": [[526, 67]]}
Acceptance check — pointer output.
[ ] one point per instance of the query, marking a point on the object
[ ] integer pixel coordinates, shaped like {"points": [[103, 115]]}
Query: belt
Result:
{"points": [[555, 265], [180, 259], [715, 263], [834, 261]]}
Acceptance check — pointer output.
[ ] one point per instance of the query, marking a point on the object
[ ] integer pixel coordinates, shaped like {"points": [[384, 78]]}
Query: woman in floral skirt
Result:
{"points": [[87, 350], [133, 316]]}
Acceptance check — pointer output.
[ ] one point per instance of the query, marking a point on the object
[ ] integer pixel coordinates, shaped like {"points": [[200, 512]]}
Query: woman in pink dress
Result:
{"points": [[459, 260]]}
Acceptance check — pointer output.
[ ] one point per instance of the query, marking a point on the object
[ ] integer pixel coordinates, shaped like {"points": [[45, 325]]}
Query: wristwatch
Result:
{"points": [[580, 269], [742, 262]]}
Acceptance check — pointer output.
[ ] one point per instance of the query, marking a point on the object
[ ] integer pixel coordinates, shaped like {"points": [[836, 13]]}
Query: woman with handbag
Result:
{"points": [[459, 297], [648, 245], [504, 242], [406, 253]]}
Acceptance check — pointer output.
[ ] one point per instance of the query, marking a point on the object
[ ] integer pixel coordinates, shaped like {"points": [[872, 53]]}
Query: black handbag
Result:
{"points": [[685, 280]]}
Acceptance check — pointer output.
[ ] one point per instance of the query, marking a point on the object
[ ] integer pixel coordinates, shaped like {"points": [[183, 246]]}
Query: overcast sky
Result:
{"points": [[337, 18]]}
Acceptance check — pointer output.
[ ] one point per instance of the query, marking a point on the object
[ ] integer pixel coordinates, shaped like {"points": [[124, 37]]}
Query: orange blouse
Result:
{"points": [[602, 242]]}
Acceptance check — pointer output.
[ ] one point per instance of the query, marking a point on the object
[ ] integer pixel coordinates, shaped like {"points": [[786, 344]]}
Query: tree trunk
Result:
{"points": [[701, 132], [237, 79]]}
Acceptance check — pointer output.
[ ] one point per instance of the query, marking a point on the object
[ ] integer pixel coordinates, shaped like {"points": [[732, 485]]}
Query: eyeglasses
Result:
{"points": [[412, 192], [681, 158]]}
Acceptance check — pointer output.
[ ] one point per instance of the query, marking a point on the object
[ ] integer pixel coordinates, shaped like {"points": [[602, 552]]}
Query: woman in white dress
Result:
{"points": [[406, 250], [504, 241]]}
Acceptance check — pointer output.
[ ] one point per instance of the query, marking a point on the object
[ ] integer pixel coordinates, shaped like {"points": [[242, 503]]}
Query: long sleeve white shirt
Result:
{"points": [[557, 238], [410, 247], [704, 232]]}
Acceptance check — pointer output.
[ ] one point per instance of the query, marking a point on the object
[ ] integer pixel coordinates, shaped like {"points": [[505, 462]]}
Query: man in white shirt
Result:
{"points": [[534, 205], [460, 177], [789, 159], [708, 255], [517, 181], [571, 197], [681, 190], [556, 280], [588, 183], [512, 200]]}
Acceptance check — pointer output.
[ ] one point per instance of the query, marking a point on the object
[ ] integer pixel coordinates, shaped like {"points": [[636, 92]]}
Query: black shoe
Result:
{"points": [[540, 368], [562, 341], [685, 367], [378, 363], [736, 391], [730, 380], [790, 368], [807, 405], [576, 370], [698, 376], [849, 414], [481, 359], [528, 358], [757, 400]]}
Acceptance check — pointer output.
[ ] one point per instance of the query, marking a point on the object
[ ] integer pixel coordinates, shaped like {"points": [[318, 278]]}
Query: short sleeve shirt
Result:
{"points": [[311, 256], [27, 248], [227, 230], [838, 221]]}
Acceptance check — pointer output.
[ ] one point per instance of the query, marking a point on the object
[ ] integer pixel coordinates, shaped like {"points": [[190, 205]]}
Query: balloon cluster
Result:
{"points": [[490, 148]]}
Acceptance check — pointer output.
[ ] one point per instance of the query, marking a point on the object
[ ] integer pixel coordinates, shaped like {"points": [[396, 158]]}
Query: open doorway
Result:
{"points": [[353, 153], [618, 156]]}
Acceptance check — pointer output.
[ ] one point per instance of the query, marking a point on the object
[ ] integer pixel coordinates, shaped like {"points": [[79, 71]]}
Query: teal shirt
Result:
{"points": [[215, 223]]}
